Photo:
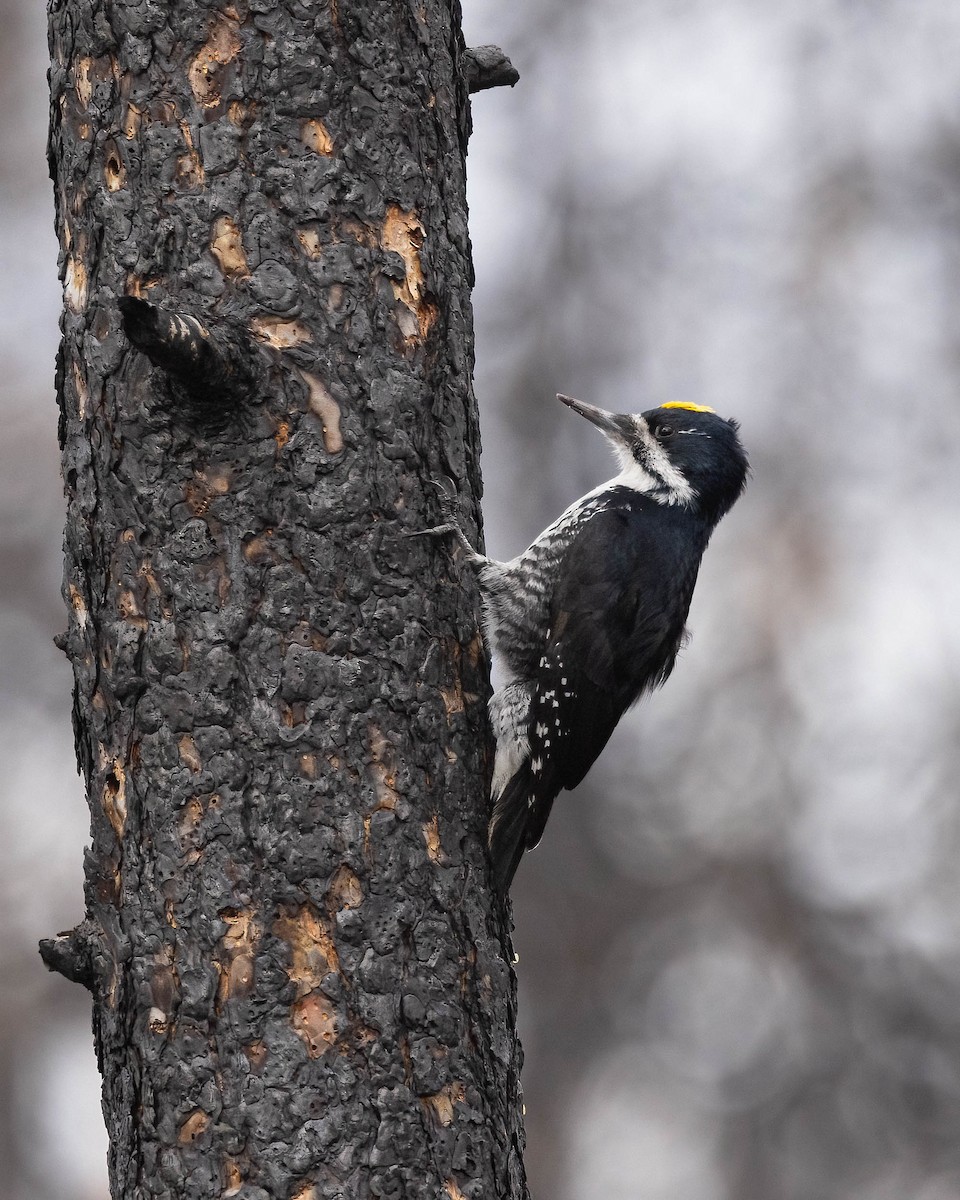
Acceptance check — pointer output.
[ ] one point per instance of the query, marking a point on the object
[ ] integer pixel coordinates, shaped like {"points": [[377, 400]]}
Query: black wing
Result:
{"points": [[617, 621], [616, 625]]}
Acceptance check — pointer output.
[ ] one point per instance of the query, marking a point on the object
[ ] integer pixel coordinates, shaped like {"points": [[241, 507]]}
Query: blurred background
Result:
{"points": [[740, 941]]}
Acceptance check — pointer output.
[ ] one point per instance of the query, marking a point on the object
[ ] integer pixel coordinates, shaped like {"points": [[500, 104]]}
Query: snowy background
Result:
{"points": [[740, 941]]}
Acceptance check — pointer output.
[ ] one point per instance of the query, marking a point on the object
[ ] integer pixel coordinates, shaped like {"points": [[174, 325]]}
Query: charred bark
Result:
{"points": [[301, 977]]}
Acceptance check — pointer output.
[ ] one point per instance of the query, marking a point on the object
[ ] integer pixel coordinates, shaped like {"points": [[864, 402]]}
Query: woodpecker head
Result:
{"points": [[678, 453]]}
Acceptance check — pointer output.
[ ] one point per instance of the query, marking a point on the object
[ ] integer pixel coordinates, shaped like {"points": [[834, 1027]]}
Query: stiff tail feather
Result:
{"points": [[519, 816]]}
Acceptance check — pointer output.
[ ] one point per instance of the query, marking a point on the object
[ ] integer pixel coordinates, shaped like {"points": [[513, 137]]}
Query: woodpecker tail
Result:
{"points": [[519, 816]]}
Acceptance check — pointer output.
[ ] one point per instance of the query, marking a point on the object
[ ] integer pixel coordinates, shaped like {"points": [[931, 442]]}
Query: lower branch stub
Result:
{"points": [[215, 369], [70, 955]]}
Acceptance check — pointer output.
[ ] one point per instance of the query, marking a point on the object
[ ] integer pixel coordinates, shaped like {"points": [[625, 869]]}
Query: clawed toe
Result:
{"points": [[449, 506], [436, 531], [447, 500]]}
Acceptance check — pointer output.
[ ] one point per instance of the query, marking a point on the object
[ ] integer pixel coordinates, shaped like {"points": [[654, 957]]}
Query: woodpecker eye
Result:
{"points": [[665, 431]]}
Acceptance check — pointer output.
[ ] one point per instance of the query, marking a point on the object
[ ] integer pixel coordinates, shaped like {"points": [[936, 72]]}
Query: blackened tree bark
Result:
{"points": [[301, 979]]}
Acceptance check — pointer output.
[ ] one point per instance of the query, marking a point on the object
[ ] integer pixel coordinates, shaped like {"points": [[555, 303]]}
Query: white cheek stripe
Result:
{"points": [[659, 462], [659, 479], [633, 475]]}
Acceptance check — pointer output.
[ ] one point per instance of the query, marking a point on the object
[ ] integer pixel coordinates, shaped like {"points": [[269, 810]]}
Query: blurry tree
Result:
{"points": [[300, 978]]}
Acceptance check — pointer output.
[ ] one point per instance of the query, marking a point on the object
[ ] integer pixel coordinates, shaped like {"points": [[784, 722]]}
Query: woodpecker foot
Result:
{"points": [[450, 511], [434, 531]]}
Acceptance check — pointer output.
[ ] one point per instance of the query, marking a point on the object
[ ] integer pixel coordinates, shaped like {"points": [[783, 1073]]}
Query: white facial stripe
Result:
{"points": [[632, 474], [678, 490]]}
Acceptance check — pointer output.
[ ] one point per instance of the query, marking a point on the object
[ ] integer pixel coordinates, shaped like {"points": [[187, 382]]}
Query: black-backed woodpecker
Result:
{"points": [[592, 614]]}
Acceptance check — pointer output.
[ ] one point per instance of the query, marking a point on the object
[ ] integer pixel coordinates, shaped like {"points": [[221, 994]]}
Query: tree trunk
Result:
{"points": [[301, 978]]}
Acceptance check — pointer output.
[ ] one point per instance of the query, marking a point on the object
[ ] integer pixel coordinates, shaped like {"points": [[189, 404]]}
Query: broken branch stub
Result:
{"points": [[488, 67], [70, 955], [214, 369]]}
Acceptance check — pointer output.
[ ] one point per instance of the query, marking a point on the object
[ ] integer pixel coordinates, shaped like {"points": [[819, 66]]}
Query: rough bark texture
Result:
{"points": [[301, 979]]}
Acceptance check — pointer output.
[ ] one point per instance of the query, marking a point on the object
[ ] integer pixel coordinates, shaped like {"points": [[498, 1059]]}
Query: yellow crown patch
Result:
{"points": [[687, 406]]}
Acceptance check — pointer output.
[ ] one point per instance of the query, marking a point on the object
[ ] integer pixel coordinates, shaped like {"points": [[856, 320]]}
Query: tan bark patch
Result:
{"points": [[308, 766], [75, 284], [78, 606], [80, 387], [403, 234], [312, 952], [326, 409], [345, 890], [361, 232], [188, 753], [193, 1127], [129, 608], [441, 1104], [452, 1190], [431, 835], [384, 780], [200, 492], [224, 583], [308, 1193], [145, 571], [232, 1176], [114, 172], [241, 976], [135, 286], [309, 238], [157, 1021], [293, 714], [131, 122], [278, 333], [190, 817], [164, 989], [475, 649], [453, 698], [226, 246], [84, 83], [239, 112], [190, 170], [260, 549], [315, 1021], [205, 73], [256, 1053], [114, 798], [315, 136], [237, 970]]}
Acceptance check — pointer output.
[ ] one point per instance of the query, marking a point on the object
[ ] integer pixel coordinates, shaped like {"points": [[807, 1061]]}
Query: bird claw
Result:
{"points": [[447, 500], [450, 514], [435, 531]]}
